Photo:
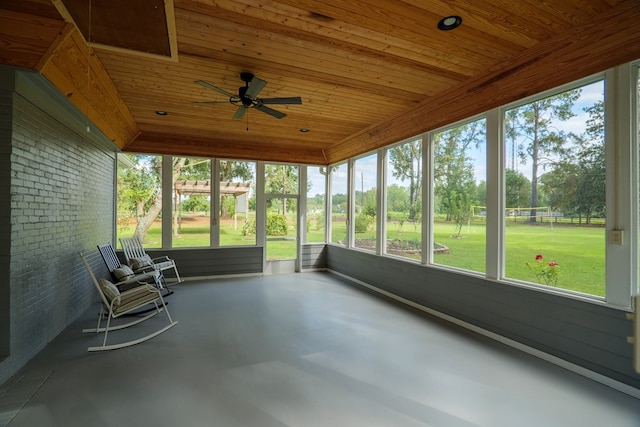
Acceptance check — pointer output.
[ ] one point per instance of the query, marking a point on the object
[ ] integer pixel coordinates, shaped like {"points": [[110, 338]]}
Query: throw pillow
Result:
{"points": [[123, 273], [140, 262], [110, 291]]}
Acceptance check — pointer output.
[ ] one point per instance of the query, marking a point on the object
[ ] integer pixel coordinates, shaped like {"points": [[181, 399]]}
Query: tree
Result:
{"points": [[590, 191], [560, 186], [139, 188], [398, 199], [516, 189], [281, 179], [540, 141], [406, 160], [454, 181]]}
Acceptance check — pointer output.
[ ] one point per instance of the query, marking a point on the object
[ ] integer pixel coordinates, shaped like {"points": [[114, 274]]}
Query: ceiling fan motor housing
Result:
{"points": [[246, 101]]}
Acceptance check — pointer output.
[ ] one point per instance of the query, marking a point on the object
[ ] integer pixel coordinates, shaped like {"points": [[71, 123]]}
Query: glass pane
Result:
{"points": [[404, 200], [191, 219], [281, 179], [139, 201], [366, 202], [316, 177], [339, 208], [459, 226], [282, 226], [237, 203], [555, 191]]}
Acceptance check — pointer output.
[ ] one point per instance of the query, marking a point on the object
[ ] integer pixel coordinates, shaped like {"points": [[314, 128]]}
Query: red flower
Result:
{"points": [[538, 257], [553, 264]]}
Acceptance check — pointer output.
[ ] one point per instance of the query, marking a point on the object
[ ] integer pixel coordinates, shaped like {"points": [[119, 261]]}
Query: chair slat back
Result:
{"points": [[109, 256], [93, 279], [132, 247]]}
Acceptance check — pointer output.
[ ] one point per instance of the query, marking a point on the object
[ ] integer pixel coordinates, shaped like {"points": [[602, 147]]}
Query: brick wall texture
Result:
{"points": [[61, 199]]}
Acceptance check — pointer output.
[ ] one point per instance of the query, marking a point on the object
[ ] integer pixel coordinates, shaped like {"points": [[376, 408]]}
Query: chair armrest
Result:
{"points": [[127, 285], [145, 270], [161, 259]]}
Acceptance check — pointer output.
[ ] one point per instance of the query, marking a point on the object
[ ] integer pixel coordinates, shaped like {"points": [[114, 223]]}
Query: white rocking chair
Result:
{"points": [[116, 304], [138, 259]]}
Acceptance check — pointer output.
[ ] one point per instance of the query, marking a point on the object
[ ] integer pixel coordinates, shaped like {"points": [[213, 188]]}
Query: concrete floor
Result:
{"points": [[301, 350]]}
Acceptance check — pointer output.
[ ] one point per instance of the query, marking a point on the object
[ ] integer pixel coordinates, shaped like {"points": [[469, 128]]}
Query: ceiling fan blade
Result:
{"points": [[240, 112], [292, 100], [214, 88], [270, 111], [255, 87]]}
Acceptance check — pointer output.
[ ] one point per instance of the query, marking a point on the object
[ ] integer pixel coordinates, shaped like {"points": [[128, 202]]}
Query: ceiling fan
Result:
{"points": [[247, 97]]}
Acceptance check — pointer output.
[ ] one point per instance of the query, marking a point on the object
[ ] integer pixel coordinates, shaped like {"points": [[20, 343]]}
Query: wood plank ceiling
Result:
{"points": [[369, 72]]}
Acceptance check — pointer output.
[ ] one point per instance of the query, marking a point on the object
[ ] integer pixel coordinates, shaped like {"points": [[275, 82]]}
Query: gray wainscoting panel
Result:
{"points": [[194, 262], [586, 334], [314, 256]]}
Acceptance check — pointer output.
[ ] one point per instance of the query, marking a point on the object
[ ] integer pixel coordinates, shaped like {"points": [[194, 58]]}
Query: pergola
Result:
{"points": [[185, 187]]}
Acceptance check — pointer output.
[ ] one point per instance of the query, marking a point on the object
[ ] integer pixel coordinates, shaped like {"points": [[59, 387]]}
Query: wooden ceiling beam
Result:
{"points": [[74, 69]]}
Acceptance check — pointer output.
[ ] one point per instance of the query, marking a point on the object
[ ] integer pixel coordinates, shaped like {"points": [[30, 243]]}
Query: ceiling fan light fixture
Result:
{"points": [[304, 130], [161, 113], [449, 23]]}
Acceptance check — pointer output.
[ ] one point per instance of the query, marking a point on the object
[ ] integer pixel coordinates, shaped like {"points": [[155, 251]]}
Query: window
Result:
{"points": [[139, 202], [339, 206], [237, 203], [365, 201], [191, 216], [404, 200], [459, 190], [281, 188], [316, 176], [555, 191]]}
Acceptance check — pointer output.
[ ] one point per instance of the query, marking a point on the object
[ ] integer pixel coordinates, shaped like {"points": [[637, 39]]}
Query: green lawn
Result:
{"points": [[579, 251]]}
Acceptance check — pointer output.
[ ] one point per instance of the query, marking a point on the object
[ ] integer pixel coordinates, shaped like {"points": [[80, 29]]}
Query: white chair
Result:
{"points": [[123, 274], [138, 259], [116, 303]]}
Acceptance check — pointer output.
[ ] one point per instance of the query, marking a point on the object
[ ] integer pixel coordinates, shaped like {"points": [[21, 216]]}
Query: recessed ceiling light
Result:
{"points": [[304, 130], [161, 113], [449, 23]]}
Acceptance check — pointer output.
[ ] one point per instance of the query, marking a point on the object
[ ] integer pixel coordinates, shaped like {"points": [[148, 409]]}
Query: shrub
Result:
{"points": [[363, 222], [276, 225]]}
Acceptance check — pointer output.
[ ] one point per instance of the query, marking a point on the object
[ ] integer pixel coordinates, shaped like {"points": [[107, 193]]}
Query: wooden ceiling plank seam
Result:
{"points": [[163, 145], [595, 46], [489, 18], [319, 77], [424, 48], [295, 33], [25, 38], [382, 41], [393, 80], [35, 8], [376, 18], [316, 57], [174, 133]]}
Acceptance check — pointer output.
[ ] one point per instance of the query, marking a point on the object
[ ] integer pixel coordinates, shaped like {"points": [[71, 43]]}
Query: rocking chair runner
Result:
{"points": [[116, 304], [137, 258]]}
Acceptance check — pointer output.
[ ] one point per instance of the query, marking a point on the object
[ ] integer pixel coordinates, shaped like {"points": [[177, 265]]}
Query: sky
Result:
{"points": [[366, 166]]}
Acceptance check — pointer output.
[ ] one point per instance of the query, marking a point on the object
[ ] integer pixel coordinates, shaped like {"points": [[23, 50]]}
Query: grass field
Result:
{"points": [[579, 251]]}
